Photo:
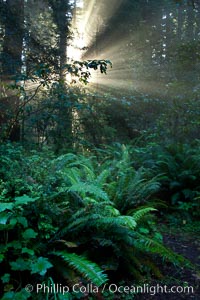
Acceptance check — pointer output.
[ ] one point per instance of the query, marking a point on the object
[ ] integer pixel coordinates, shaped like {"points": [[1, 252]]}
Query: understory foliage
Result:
{"points": [[86, 218], [112, 160]]}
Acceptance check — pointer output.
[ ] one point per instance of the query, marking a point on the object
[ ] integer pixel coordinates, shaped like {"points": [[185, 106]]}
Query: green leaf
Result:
{"points": [[26, 250], [143, 230], [22, 221], [127, 221], [68, 244], [4, 216], [112, 211], [6, 206], [67, 296], [8, 296], [29, 234], [20, 264], [13, 221], [87, 268], [24, 200], [140, 213], [5, 278], [89, 188], [22, 295], [1, 257], [15, 244], [158, 236], [41, 266]]}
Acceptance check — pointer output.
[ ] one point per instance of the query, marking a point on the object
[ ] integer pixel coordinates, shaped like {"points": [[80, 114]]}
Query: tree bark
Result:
{"points": [[63, 136], [13, 19]]}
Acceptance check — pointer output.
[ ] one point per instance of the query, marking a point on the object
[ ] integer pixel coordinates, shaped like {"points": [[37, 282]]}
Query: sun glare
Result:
{"points": [[75, 51], [93, 41], [90, 20]]}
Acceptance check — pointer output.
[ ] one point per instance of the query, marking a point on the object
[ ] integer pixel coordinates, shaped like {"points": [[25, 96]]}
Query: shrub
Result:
{"points": [[81, 220]]}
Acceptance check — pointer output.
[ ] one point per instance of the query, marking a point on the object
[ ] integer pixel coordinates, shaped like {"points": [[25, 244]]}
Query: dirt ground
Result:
{"points": [[189, 247]]}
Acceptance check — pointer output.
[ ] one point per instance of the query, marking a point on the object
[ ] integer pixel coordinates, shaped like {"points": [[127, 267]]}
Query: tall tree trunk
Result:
{"points": [[190, 23], [197, 22], [180, 23], [61, 10], [13, 16]]}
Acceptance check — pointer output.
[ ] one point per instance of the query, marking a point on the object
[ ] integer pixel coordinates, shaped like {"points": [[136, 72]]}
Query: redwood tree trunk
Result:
{"points": [[13, 19], [63, 136]]}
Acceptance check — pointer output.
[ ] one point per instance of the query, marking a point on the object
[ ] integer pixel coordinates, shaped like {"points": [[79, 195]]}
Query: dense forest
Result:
{"points": [[99, 149]]}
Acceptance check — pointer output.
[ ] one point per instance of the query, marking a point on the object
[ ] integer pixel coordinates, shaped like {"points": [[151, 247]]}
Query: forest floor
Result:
{"points": [[183, 239], [187, 243]]}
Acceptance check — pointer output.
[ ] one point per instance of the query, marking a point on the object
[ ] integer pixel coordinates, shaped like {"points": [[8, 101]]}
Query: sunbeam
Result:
{"points": [[131, 44], [94, 39]]}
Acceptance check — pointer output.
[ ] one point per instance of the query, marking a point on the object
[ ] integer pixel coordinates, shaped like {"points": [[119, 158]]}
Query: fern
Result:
{"points": [[141, 212], [91, 208], [86, 268], [79, 223], [73, 175], [124, 221], [150, 245], [63, 160], [84, 188], [102, 177], [88, 170], [96, 221], [106, 243]]}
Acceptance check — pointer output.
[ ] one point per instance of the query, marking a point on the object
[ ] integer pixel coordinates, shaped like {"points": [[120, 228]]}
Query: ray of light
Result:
{"points": [[115, 85], [105, 42], [88, 22]]}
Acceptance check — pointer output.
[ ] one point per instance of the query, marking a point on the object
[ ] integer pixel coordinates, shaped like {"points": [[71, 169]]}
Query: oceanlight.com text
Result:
{"points": [[111, 288]]}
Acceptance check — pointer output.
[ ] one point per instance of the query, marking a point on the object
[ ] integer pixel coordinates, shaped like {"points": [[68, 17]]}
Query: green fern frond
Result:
{"points": [[82, 221], [63, 160], [88, 170], [152, 246], [75, 226], [102, 177], [111, 211], [89, 188], [85, 161], [154, 269], [99, 222], [119, 221], [106, 243], [143, 188], [82, 212], [86, 268], [73, 174], [127, 221], [138, 214], [133, 188], [135, 272]]}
